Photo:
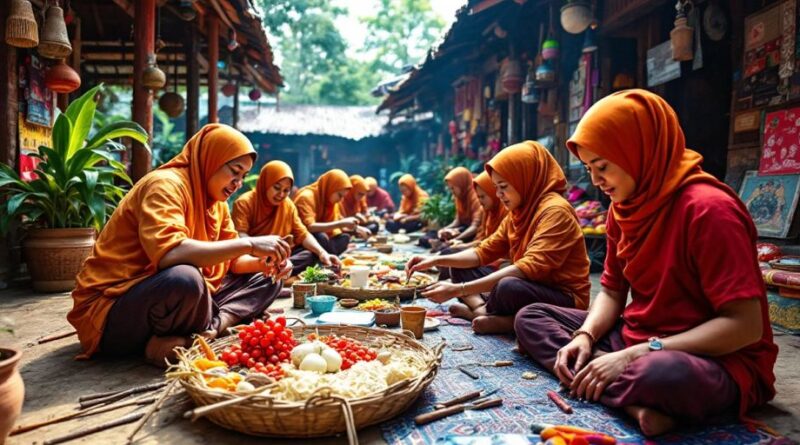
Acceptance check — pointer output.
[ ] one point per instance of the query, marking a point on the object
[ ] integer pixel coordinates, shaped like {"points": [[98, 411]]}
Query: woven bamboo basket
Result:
{"points": [[323, 414]]}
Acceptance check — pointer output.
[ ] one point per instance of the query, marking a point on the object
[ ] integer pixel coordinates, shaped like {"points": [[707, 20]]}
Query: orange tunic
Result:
{"points": [[164, 208], [542, 236], [491, 218], [412, 204], [255, 215], [352, 206], [468, 209], [313, 203]]}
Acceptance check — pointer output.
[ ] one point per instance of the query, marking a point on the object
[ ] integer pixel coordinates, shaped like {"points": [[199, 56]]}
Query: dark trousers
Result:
{"points": [[681, 385], [394, 226], [176, 301], [336, 245], [301, 259]]}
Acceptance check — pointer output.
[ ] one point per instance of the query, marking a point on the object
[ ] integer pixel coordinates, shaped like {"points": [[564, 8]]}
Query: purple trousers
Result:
{"points": [[176, 301], [511, 294], [683, 386], [336, 245]]}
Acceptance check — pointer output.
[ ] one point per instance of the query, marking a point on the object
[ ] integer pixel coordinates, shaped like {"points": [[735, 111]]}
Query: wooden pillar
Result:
{"points": [[213, 57], [513, 119], [144, 24], [9, 139], [235, 122], [192, 84]]}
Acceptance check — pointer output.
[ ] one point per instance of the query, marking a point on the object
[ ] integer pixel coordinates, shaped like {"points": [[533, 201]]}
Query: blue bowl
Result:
{"points": [[321, 303]]}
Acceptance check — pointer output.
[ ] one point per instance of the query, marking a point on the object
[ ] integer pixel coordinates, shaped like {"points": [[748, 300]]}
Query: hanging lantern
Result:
{"points": [[186, 10], [61, 78], [681, 36], [21, 28], [576, 16], [172, 104], [550, 49], [254, 94], [511, 76], [545, 74], [229, 89], [530, 95], [152, 76], [54, 41], [589, 42]]}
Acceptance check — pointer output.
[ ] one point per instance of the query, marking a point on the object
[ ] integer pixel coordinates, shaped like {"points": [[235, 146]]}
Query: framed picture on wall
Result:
{"points": [[771, 201]]}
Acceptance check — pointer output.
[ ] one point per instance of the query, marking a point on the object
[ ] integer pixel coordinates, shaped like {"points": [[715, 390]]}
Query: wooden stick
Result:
{"points": [[101, 400], [95, 429], [152, 409], [55, 337], [85, 413]]}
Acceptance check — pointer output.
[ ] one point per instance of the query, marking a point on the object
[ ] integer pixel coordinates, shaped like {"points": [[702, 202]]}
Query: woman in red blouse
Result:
{"points": [[695, 343]]}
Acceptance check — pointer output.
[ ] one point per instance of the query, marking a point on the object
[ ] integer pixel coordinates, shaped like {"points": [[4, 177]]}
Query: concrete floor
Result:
{"points": [[54, 381]]}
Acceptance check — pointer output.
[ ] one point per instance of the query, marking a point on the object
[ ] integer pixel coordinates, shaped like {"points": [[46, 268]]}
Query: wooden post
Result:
{"points": [[192, 84], [513, 124], [235, 121], [9, 148], [213, 57], [144, 24]]}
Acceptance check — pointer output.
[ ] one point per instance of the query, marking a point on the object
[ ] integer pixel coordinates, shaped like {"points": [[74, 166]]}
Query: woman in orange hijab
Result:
{"points": [[407, 217], [268, 211], [493, 213], [354, 204], [169, 263], [469, 213], [540, 235], [319, 207], [695, 341]]}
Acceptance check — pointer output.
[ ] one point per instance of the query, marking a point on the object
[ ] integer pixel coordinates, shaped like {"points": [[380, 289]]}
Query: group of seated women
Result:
{"points": [[679, 333]]}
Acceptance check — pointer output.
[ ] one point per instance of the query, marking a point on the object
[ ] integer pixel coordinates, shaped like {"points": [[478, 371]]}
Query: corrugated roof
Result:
{"points": [[349, 122]]}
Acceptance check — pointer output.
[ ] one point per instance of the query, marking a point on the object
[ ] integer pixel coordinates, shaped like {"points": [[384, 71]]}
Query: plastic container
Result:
{"points": [[359, 276], [320, 304]]}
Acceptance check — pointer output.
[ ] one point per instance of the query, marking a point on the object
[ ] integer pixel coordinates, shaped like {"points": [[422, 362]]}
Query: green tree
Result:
{"points": [[400, 33]]}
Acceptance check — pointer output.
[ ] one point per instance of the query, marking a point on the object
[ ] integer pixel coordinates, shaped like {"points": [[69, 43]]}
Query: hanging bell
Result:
{"points": [[21, 28], [172, 104], [681, 38], [61, 78], [54, 41], [152, 76]]}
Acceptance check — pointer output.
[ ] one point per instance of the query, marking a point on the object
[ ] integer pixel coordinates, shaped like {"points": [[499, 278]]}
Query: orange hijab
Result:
{"points": [[314, 197], [640, 132], [534, 173], [491, 218], [263, 218], [411, 204], [350, 205], [468, 208]]}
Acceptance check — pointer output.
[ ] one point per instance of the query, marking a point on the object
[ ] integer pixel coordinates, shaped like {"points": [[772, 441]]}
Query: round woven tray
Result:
{"points": [[323, 414]]}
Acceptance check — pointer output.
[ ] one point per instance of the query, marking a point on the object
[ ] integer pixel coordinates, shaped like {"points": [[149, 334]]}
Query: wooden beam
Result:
{"points": [[235, 122], [213, 57], [144, 29], [192, 83]]}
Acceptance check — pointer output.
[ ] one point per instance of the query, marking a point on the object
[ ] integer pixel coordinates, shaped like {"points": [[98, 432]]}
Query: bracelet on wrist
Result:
{"points": [[579, 332]]}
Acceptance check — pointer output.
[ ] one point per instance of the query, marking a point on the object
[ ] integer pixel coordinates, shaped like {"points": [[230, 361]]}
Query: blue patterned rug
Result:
{"points": [[524, 402]]}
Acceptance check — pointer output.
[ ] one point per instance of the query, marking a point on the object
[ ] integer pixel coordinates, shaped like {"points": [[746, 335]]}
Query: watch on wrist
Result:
{"points": [[655, 344]]}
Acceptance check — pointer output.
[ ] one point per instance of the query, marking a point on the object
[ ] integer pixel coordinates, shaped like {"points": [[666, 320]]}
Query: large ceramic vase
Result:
{"points": [[12, 391], [54, 256]]}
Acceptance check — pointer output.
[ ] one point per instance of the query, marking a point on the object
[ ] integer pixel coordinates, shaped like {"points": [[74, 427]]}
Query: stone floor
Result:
{"points": [[54, 381]]}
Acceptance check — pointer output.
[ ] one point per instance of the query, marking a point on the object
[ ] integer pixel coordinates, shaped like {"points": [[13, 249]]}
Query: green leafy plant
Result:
{"points": [[439, 208], [167, 141], [75, 178], [406, 166], [314, 274]]}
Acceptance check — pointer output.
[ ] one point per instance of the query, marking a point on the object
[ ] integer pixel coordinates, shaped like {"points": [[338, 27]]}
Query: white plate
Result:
{"points": [[356, 318], [432, 323]]}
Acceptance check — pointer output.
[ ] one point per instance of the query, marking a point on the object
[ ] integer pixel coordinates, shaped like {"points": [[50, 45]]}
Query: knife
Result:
{"points": [[466, 397]]}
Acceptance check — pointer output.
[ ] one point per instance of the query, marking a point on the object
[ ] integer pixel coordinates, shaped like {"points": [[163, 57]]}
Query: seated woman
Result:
{"points": [[469, 213], [318, 205], [378, 198], [266, 210], [168, 263], [354, 204], [541, 236], [695, 343], [407, 217]]}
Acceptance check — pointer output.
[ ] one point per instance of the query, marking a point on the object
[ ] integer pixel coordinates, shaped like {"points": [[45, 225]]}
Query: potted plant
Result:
{"points": [[12, 390], [438, 211], [73, 194]]}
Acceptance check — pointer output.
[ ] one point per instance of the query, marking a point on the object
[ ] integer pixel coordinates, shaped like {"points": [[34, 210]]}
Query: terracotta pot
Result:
{"points": [[61, 78], [172, 104], [681, 37], [153, 78], [12, 391], [55, 256]]}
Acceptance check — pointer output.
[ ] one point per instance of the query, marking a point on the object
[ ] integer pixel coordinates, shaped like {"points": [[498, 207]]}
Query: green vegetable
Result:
{"points": [[314, 274]]}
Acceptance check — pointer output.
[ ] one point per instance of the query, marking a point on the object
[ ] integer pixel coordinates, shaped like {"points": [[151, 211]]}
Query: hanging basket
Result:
{"points": [[681, 38], [54, 42], [172, 104], [61, 78], [21, 28]]}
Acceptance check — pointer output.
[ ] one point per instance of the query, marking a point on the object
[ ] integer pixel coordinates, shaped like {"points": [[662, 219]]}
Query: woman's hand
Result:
{"points": [[329, 260], [348, 224], [270, 246], [363, 232], [285, 270], [456, 244], [578, 351], [590, 382], [446, 234], [418, 263], [441, 291]]}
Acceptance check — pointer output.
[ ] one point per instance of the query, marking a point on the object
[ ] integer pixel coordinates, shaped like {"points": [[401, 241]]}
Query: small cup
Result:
{"points": [[299, 293], [359, 276], [412, 318]]}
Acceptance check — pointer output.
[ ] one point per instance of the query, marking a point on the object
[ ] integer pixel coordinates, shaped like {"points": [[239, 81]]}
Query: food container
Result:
{"points": [[348, 302], [359, 276], [320, 304], [388, 317]]}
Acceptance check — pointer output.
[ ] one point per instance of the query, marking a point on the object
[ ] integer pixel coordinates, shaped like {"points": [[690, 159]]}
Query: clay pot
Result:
{"points": [[12, 391], [681, 38], [54, 256], [61, 78], [172, 104], [229, 89], [153, 78]]}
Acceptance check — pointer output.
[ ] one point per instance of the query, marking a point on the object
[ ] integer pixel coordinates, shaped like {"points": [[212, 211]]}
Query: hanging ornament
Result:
{"points": [[61, 78], [186, 10], [550, 46], [54, 41], [545, 75], [254, 94], [152, 76], [21, 28], [511, 76], [576, 16], [530, 95], [232, 42], [681, 34], [229, 89], [172, 103], [589, 42]]}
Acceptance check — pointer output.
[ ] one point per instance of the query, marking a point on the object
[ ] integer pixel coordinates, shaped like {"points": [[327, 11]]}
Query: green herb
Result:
{"points": [[314, 274]]}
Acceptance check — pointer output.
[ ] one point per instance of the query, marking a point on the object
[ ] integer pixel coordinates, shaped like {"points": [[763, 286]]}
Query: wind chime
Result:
{"points": [[171, 102]]}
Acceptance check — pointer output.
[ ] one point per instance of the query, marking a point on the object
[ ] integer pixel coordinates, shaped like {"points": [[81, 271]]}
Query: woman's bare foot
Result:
{"points": [[492, 324], [651, 422], [223, 321], [461, 310], [161, 349]]}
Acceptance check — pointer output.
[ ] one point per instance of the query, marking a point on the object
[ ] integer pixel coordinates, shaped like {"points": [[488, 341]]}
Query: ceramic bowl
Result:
{"points": [[388, 317], [320, 304], [348, 302]]}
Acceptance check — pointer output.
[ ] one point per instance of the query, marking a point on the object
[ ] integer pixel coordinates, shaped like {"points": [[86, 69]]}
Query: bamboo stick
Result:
{"points": [[95, 429], [78, 414], [55, 337], [150, 412], [103, 398]]}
